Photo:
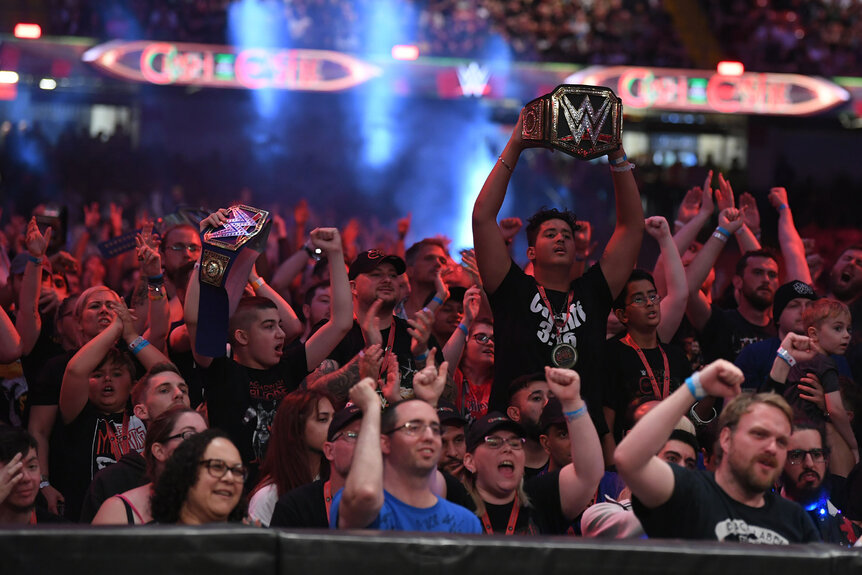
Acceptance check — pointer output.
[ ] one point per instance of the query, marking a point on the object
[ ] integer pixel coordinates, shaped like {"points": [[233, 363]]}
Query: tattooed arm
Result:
{"points": [[337, 381]]}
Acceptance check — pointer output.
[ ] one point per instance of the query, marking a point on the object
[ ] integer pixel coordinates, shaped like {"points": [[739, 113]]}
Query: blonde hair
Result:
{"points": [[822, 309], [469, 481]]}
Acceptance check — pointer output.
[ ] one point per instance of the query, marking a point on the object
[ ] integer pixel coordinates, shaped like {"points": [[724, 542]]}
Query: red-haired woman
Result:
{"points": [[294, 456]]}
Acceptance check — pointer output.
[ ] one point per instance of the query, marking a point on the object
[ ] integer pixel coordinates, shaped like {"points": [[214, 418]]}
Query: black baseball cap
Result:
{"points": [[341, 419], [552, 414], [486, 425], [369, 260], [449, 414]]}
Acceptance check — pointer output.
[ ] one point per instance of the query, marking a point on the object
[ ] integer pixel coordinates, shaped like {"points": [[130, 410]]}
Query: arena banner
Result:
{"points": [[678, 90], [212, 66]]}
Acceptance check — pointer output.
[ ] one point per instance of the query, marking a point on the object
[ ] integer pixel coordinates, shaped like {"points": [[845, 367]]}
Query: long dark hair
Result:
{"points": [[181, 474], [287, 463]]}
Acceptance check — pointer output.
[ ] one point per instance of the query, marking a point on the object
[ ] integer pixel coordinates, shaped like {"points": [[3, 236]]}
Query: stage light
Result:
{"points": [[47, 83], [405, 52], [8, 77], [728, 68], [30, 31]]}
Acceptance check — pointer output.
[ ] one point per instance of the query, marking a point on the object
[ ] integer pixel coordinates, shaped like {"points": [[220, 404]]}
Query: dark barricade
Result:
{"points": [[241, 550]]}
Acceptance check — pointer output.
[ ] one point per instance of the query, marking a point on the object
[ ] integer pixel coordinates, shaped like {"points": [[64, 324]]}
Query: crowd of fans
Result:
{"points": [[769, 35], [322, 378]]}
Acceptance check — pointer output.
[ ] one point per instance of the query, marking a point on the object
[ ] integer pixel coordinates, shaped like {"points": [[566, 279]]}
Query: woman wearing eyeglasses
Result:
{"points": [[164, 435], [294, 455], [475, 373], [507, 504], [202, 482]]}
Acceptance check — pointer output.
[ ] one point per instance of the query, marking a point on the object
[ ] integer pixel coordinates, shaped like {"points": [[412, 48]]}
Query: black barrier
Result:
{"points": [[235, 550]]}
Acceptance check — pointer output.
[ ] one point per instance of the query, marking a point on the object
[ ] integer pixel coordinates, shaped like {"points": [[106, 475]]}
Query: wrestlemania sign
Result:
{"points": [[229, 67], [709, 92]]}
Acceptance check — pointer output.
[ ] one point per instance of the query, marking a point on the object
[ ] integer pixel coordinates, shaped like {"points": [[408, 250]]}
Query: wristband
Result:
{"points": [[623, 168], [35, 260], [619, 161], [463, 328], [257, 284], [156, 280], [138, 344], [580, 258], [785, 355], [505, 165], [696, 418], [695, 387], [437, 299], [576, 414], [721, 230], [678, 223], [782, 207], [44, 483], [422, 357]]}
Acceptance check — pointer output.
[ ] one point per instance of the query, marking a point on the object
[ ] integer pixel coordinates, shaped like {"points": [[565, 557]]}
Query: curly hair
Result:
{"points": [[288, 462], [181, 474]]}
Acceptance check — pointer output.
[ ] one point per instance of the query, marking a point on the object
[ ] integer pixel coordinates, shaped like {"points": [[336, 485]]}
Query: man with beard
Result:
{"points": [[725, 332], [19, 480], [453, 428], [528, 396], [805, 482], [845, 285], [736, 502]]}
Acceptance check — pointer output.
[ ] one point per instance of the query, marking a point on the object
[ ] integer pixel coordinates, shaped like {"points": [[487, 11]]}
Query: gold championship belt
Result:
{"points": [[583, 121]]}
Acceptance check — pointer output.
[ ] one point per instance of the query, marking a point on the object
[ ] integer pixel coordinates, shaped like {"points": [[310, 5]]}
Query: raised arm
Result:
{"points": [[651, 479], [792, 247], [579, 479], [158, 314], [622, 250], [29, 322], [458, 340], [698, 310], [340, 321], [287, 317], [193, 292], [363, 489], [492, 255], [673, 304]]}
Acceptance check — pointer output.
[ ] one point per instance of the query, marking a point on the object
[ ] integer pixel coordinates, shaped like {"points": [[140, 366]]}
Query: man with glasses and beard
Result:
{"points": [[806, 482], [736, 502]]}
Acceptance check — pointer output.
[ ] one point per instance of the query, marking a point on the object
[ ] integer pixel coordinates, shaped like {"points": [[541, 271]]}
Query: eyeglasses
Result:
{"points": [[642, 301], [218, 469], [413, 428], [483, 338], [496, 442], [184, 435], [348, 436], [797, 456], [191, 248]]}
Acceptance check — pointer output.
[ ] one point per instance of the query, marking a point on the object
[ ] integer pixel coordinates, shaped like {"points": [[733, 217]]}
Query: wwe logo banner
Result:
{"points": [[583, 121]]}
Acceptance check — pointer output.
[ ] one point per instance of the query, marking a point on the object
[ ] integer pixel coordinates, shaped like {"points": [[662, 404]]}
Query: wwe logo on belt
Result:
{"points": [[584, 119], [238, 225]]}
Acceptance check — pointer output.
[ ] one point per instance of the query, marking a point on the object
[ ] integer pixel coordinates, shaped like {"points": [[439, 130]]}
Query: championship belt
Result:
{"points": [[229, 253], [583, 121]]}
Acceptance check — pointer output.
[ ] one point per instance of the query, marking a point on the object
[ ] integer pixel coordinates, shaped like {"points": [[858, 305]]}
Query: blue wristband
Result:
{"points": [[721, 230], [576, 414], [437, 299], [35, 260], [694, 386], [422, 357], [463, 328]]}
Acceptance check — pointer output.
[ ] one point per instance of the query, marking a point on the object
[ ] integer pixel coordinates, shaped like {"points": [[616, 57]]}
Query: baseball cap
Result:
{"points": [[449, 414], [788, 292], [486, 425], [552, 414], [341, 419], [369, 260]]}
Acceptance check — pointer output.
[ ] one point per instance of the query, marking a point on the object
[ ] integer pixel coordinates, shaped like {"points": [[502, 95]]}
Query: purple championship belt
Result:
{"points": [[583, 121], [229, 253]]}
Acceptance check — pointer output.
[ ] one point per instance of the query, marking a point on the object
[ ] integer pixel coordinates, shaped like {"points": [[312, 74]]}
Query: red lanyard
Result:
{"points": [[513, 519], [33, 517], [123, 441], [659, 394], [479, 402], [557, 324], [327, 497]]}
